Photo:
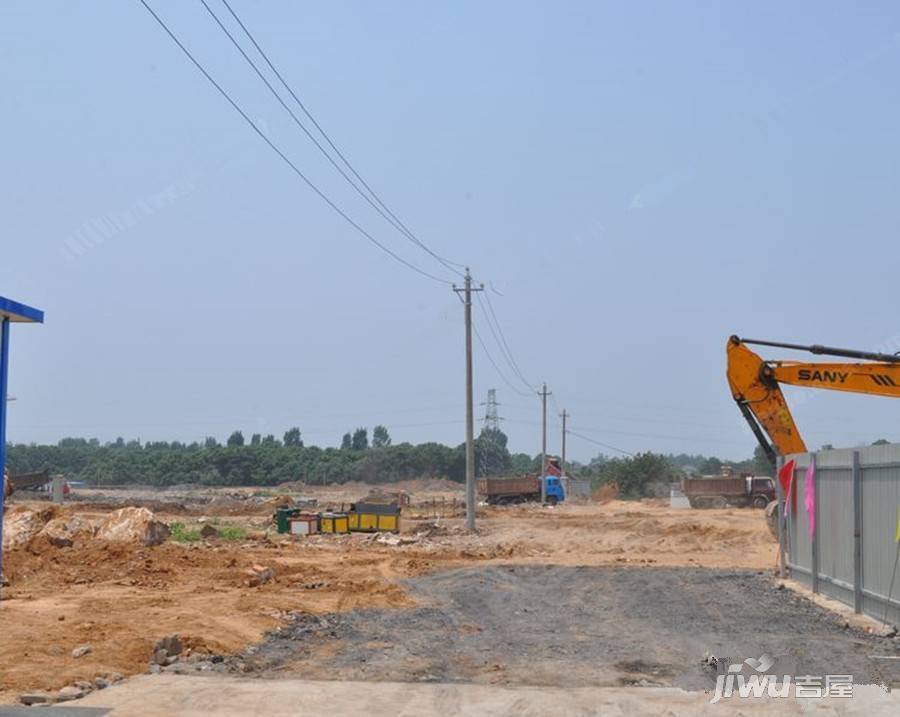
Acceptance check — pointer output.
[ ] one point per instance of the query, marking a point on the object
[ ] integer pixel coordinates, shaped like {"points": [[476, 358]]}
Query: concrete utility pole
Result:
{"points": [[543, 393], [562, 466], [470, 409]]}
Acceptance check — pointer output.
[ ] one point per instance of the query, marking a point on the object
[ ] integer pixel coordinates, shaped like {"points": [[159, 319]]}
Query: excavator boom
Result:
{"points": [[761, 402], [756, 386], [879, 379]]}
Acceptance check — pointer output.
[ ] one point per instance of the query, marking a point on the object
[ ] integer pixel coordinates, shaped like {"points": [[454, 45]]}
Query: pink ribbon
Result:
{"points": [[809, 488]]}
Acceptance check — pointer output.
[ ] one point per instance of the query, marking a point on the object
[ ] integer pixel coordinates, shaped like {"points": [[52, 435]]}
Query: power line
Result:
{"points": [[500, 340], [303, 127], [599, 443], [497, 339], [512, 358], [283, 156], [667, 437], [496, 367], [391, 217]]}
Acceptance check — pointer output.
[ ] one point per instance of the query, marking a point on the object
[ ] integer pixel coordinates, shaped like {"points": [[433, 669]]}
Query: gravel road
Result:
{"points": [[574, 626]]}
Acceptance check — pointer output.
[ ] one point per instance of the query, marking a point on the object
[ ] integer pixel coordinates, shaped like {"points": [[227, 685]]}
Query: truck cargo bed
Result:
{"points": [[509, 486]]}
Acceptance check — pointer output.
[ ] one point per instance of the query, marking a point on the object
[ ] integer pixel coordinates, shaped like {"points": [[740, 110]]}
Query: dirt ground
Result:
{"points": [[121, 598], [561, 626]]}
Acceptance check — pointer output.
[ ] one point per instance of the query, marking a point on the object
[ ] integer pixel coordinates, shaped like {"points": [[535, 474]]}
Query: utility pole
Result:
{"points": [[562, 466], [543, 393], [470, 409]]}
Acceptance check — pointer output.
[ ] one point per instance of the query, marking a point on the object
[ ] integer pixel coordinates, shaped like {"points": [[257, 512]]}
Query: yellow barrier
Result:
{"points": [[334, 523], [373, 517]]}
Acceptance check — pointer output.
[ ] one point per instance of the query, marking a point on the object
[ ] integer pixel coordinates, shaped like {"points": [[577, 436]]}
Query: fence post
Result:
{"points": [[815, 536], [779, 496], [857, 534]]}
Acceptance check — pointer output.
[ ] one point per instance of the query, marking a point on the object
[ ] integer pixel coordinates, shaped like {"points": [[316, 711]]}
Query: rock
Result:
{"points": [[69, 693], [21, 524], [84, 685], [81, 651], [159, 657], [115, 677], [64, 531], [209, 531], [155, 669], [133, 525], [170, 644], [101, 683], [38, 698], [888, 631], [258, 575]]}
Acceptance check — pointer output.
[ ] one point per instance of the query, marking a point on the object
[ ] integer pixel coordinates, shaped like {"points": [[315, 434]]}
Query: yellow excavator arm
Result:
{"points": [[755, 386]]}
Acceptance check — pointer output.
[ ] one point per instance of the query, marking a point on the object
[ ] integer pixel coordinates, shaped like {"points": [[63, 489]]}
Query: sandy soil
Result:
{"points": [[121, 598]]}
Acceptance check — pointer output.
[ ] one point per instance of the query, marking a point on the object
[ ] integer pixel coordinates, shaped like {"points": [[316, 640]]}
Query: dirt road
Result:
{"points": [[574, 627]]}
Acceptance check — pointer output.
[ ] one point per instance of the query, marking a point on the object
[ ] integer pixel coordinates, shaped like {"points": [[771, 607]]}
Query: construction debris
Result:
{"points": [[166, 651], [258, 575]]}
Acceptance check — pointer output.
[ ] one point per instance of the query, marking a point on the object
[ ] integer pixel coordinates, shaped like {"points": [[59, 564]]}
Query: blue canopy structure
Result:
{"points": [[10, 312]]}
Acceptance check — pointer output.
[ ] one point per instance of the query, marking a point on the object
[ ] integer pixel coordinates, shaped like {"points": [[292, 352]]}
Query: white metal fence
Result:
{"points": [[852, 554]]}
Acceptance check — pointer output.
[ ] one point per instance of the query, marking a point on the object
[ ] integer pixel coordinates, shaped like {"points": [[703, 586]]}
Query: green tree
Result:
{"points": [[881, 442], [646, 474], [360, 441], [210, 442], [236, 439], [292, 438], [519, 463], [346, 442], [491, 454], [269, 440], [712, 466], [255, 439], [380, 437], [761, 464]]}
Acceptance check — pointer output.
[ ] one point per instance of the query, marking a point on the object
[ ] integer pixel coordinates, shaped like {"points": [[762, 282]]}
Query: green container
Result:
{"points": [[283, 518]]}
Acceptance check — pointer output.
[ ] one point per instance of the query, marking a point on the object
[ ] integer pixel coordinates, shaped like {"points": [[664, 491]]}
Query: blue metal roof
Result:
{"points": [[14, 311]]}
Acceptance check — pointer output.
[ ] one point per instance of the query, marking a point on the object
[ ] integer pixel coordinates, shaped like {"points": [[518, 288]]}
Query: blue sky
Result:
{"points": [[636, 180]]}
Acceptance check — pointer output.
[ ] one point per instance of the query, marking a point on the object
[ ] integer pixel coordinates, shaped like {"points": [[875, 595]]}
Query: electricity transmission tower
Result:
{"points": [[491, 416]]}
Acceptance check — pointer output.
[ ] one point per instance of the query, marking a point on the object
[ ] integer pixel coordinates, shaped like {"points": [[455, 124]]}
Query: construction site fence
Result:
{"points": [[852, 553]]}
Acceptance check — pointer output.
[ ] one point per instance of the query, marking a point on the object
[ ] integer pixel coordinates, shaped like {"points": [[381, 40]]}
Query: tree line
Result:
{"points": [[265, 460]]}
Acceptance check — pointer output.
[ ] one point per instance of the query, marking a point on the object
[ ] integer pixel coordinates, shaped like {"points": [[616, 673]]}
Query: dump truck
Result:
{"points": [[729, 490], [523, 489], [29, 481]]}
